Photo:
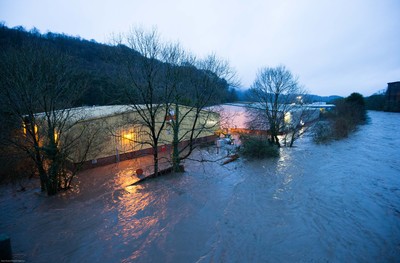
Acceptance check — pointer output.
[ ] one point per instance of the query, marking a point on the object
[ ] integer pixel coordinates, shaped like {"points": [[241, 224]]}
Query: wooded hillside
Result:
{"points": [[94, 64]]}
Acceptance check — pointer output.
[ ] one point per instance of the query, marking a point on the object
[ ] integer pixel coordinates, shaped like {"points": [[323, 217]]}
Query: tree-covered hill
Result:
{"points": [[94, 64]]}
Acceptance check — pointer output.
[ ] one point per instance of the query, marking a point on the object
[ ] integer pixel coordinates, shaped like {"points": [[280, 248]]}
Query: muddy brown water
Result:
{"points": [[316, 203]]}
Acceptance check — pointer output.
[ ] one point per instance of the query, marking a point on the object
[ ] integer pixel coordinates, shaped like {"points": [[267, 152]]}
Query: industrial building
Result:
{"points": [[235, 117], [121, 133], [393, 97]]}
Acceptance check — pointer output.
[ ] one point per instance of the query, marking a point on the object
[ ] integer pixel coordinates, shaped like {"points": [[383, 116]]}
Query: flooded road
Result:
{"points": [[316, 203]]}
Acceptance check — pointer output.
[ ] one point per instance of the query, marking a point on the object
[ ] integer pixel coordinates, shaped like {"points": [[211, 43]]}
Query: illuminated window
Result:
{"points": [[55, 136], [128, 139], [288, 117], [26, 126], [36, 133]]}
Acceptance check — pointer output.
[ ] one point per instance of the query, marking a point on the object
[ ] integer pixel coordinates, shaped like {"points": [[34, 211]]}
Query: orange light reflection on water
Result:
{"points": [[139, 211]]}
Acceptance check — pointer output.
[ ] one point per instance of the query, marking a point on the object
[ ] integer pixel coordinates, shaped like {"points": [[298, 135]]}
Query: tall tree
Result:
{"points": [[298, 121], [38, 88], [146, 82], [274, 90], [162, 79], [199, 91]]}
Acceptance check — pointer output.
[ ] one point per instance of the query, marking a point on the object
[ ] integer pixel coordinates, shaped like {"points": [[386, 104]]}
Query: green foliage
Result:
{"points": [[257, 147]]}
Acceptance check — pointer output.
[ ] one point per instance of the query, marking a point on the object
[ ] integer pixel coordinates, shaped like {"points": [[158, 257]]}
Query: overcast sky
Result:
{"points": [[333, 46]]}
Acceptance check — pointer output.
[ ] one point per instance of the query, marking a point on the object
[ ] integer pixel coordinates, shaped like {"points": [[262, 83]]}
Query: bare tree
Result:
{"points": [[275, 91], [160, 81], [38, 89], [148, 88], [298, 121], [202, 90]]}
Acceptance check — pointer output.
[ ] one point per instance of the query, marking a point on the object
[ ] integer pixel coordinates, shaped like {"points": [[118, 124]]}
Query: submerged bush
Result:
{"points": [[343, 120], [257, 147], [342, 127], [322, 132]]}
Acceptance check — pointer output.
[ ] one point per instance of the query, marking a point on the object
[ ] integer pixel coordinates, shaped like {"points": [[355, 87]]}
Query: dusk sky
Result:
{"points": [[334, 47]]}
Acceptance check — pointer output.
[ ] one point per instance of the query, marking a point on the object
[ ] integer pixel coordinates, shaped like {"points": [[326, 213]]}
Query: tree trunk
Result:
{"points": [[175, 156], [292, 138], [155, 159], [176, 160], [277, 141], [43, 179], [52, 184], [42, 173]]}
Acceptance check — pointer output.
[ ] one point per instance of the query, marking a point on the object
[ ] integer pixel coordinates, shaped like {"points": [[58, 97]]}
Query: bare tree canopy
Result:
{"points": [[166, 78], [145, 80], [275, 90], [202, 91], [96, 63], [38, 88]]}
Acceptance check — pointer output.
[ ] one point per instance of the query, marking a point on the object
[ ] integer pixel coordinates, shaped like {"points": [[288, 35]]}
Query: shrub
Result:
{"points": [[15, 167], [348, 114], [342, 127], [322, 132], [257, 147]]}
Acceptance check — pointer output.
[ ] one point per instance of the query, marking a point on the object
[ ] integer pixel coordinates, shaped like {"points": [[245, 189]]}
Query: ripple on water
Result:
{"points": [[316, 203]]}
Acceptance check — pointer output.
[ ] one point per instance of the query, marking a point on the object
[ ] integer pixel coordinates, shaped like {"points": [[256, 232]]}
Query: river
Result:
{"points": [[316, 203]]}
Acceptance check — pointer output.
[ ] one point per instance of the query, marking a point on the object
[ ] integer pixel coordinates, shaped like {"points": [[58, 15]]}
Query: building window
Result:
{"points": [[27, 130], [129, 139]]}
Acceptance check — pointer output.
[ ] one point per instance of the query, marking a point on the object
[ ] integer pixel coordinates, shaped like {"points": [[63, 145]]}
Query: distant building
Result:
{"points": [[322, 106], [393, 96], [250, 117]]}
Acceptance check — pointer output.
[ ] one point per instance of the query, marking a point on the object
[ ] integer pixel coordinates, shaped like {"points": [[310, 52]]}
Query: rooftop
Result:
{"points": [[92, 112]]}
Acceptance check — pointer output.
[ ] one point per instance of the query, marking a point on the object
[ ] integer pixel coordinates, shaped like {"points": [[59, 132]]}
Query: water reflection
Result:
{"points": [[125, 177], [335, 203], [140, 208], [284, 173]]}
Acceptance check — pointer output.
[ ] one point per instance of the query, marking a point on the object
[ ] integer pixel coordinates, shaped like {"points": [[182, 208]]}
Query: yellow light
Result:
{"points": [[36, 134], [24, 127], [288, 117], [127, 136]]}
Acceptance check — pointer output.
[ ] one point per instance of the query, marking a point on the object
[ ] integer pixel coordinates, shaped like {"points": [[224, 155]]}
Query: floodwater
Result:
{"points": [[316, 203]]}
